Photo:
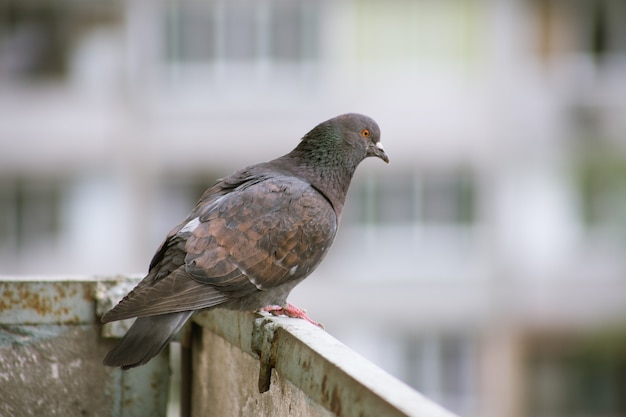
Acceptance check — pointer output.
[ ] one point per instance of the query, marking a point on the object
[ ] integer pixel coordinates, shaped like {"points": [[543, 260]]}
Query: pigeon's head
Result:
{"points": [[329, 154], [350, 136], [362, 134]]}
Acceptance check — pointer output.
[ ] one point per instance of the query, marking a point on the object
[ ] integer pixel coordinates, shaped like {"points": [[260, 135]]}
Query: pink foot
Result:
{"points": [[290, 310]]}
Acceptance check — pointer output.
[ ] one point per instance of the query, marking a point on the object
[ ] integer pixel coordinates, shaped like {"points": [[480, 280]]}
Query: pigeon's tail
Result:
{"points": [[145, 339]]}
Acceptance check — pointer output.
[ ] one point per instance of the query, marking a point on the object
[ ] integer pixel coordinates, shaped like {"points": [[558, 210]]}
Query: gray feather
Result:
{"points": [[145, 339]]}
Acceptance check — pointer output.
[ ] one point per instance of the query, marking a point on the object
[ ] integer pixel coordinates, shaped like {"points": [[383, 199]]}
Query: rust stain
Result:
{"points": [[305, 366], [88, 293], [7, 295], [335, 401], [44, 299], [34, 301]]}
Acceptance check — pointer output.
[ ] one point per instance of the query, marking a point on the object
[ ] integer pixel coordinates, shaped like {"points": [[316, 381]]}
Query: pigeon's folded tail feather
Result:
{"points": [[177, 294], [145, 339]]}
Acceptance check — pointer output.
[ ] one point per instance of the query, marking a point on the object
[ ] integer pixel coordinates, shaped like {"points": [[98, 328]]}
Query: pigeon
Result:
{"points": [[250, 239]]}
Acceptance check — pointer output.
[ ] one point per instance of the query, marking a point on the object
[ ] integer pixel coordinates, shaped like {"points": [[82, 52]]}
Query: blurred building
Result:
{"points": [[485, 265]]}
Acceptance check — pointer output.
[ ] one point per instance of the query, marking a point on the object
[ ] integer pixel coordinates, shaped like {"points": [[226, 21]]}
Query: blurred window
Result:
{"points": [[577, 376], [37, 37], [594, 27], [441, 35], [30, 213], [430, 198], [236, 31], [602, 182], [442, 367], [448, 199]]}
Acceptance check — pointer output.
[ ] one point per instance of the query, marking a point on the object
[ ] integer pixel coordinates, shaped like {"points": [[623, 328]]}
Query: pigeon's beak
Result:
{"points": [[376, 149]]}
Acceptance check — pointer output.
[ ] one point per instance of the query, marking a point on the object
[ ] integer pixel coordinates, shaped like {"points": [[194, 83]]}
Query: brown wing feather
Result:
{"points": [[251, 237], [266, 235]]}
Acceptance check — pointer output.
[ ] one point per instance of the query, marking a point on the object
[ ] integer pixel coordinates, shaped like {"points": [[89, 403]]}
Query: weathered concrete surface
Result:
{"points": [[46, 370], [51, 352], [225, 384], [247, 364]]}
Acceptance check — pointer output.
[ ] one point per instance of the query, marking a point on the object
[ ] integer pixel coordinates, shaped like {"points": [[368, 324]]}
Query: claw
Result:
{"points": [[290, 310]]}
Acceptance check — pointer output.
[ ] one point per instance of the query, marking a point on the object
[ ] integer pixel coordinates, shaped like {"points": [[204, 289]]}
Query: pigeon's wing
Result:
{"points": [[269, 234], [257, 236]]}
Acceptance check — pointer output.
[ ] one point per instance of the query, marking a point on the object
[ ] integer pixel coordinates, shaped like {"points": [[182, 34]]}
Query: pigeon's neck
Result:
{"points": [[330, 177]]}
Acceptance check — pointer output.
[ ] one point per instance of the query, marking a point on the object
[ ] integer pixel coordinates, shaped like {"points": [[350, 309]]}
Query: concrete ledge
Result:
{"points": [[51, 350], [254, 364]]}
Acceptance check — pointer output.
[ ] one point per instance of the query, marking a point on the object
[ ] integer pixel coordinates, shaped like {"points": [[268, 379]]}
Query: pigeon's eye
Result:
{"points": [[365, 133]]}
